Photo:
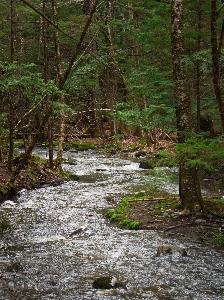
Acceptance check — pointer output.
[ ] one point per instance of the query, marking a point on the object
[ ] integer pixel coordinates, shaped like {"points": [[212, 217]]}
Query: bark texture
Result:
{"points": [[189, 184], [216, 51]]}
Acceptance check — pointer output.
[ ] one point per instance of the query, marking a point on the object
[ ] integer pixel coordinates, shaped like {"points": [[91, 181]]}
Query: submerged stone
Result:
{"points": [[170, 249], [14, 267]]}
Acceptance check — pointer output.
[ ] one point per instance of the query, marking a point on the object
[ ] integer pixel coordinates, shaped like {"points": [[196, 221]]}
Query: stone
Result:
{"points": [[15, 267], [200, 221], [106, 283], [146, 164], [170, 249]]}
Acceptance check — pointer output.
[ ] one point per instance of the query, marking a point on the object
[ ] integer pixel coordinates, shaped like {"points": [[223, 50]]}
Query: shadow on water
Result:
{"points": [[62, 242]]}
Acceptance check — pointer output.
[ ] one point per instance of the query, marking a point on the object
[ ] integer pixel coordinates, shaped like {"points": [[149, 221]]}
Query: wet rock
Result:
{"points": [[200, 221], [170, 249], [106, 283], [80, 232], [8, 204], [14, 267], [76, 232], [146, 164]]}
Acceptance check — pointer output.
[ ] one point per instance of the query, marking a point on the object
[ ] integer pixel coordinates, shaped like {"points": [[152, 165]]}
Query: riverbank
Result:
{"points": [[34, 175], [162, 212]]}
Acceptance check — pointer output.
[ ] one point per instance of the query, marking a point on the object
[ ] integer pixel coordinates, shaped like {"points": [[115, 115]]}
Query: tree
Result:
{"points": [[189, 183], [11, 95], [216, 52]]}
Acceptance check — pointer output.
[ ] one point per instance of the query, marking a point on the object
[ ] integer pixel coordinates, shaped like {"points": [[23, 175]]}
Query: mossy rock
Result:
{"points": [[70, 176], [147, 164]]}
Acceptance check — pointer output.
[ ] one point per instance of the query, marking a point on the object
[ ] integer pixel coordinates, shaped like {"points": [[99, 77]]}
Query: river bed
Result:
{"points": [[62, 242]]}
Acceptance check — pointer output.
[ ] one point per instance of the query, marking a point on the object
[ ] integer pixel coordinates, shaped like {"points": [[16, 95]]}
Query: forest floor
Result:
{"points": [[163, 214], [160, 214]]}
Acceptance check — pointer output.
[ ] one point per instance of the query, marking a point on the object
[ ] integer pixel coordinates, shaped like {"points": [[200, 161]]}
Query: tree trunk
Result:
{"points": [[91, 113], [189, 188], [189, 184], [58, 161], [43, 47], [11, 112], [198, 73], [110, 73], [60, 78], [216, 51], [50, 141]]}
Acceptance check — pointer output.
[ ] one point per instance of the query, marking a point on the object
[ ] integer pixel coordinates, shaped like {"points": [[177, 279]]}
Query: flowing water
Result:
{"points": [[62, 242]]}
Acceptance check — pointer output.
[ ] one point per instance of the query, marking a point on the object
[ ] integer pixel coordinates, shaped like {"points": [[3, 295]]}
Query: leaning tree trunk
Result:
{"points": [[26, 156], [189, 184]]}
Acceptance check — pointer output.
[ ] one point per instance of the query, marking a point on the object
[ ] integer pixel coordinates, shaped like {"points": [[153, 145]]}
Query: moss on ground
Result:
{"points": [[163, 213]]}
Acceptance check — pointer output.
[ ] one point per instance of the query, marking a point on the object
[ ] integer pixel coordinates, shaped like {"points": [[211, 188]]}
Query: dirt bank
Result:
{"points": [[34, 175], [164, 215]]}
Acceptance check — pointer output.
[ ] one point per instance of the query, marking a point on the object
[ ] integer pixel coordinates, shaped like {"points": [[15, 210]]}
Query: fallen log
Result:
{"points": [[153, 199], [168, 198]]}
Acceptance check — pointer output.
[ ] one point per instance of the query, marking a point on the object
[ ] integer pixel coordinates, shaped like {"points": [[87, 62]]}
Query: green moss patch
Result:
{"points": [[75, 146], [69, 176], [163, 213], [120, 216]]}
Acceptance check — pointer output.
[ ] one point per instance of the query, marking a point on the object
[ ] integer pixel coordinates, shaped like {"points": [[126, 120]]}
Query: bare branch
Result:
{"points": [[46, 18], [29, 112]]}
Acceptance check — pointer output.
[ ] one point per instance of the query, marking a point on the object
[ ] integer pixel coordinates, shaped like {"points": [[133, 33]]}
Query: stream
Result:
{"points": [[62, 242]]}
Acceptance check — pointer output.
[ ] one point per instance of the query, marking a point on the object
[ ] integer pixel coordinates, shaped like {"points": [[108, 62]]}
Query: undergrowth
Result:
{"points": [[5, 225], [120, 215]]}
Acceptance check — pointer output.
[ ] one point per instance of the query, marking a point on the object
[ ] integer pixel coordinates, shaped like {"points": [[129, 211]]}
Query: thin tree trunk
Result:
{"points": [[11, 113], [198, 73], [50, 141], [60, 78], [189, 184], [216, 60], [43, 46]]}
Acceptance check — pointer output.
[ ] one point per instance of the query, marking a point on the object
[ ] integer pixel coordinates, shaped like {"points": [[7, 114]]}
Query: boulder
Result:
{"points": [[106, 283], [146, 164], [170, 249]]}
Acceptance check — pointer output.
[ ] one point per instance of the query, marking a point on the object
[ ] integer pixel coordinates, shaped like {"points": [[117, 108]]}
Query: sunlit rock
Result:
{"points": [[8, 203], [170, 249]]}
